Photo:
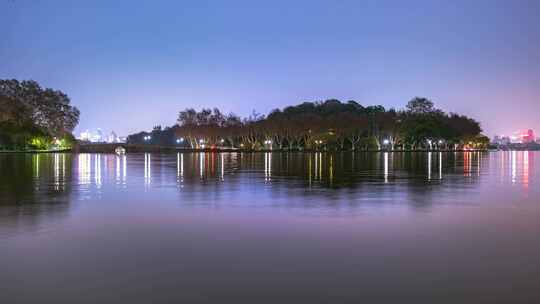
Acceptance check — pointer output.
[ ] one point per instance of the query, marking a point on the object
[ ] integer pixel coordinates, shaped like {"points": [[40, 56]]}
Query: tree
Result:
{"points": [[330, 124], [34, 110], [420, 105]]}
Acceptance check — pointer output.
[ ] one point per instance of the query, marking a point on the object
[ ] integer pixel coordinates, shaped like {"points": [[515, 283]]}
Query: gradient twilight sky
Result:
{"points": [[129, 65]]}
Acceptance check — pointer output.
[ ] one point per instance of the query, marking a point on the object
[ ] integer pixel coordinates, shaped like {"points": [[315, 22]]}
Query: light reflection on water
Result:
{"points": [[313, 226], [370, 176]]}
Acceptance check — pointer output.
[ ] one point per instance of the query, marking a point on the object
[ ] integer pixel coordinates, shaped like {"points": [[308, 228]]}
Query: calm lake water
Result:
{"points": [[270, 228]]}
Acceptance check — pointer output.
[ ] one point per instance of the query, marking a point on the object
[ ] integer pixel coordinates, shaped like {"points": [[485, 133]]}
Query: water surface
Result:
{"points": [[270, 228]]}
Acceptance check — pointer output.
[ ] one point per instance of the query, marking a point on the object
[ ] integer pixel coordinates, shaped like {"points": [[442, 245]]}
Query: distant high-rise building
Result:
{"points": [[98, 137], [85, 135], [113, 138], [92, 136], [501, 140]]}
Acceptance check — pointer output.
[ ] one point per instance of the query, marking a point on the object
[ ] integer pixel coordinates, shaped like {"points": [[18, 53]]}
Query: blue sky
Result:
{"points": [[129, 65]]}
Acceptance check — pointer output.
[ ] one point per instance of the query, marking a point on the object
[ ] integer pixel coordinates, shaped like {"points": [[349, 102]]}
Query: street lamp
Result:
{"points": [[386, 142]]}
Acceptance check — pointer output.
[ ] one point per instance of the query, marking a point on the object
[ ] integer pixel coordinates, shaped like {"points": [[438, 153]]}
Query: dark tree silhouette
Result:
{"points": [[328, 124]]}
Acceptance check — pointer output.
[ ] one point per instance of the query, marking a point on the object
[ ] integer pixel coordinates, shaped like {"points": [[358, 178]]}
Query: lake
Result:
{"points": [[270, 228]]}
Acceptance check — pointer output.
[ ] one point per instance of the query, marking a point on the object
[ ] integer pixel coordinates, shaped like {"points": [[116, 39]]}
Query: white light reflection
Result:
{"points": [[316, 165], [180, 168], [478, 166], [514, 166], [267, 166], [147, 168], [440, 165], [118, 177], [201, 164], [121, 170], [526, 169], [35, 163], [429, 165], [63, 169], [222, 166], [84, 169], [385, 167], [36, 158], [56, 166], [97, 170], [124, 169]]}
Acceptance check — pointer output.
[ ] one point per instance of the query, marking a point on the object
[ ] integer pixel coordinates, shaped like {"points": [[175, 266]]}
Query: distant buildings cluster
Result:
{"points": [[97, 136], [518, 140]]}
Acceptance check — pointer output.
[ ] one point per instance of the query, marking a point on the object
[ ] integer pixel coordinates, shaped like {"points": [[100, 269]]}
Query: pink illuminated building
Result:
{"points": [[527, 137]]}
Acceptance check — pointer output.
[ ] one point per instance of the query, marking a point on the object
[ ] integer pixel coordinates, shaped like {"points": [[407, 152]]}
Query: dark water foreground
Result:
{"points": [[270, 228]]}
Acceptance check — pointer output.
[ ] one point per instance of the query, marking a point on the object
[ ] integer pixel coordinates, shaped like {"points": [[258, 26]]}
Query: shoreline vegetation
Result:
{"points": [[33, 118], [109, 149], [133, 148], [36, 119], [329, 125]]}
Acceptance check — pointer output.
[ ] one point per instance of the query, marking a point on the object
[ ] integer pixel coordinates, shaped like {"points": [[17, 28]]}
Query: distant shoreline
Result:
{"points": [[110, 149], [37, 151], [134, 148]]}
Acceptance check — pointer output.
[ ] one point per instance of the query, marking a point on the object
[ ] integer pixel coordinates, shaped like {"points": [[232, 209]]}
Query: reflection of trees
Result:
{"points": [[335, 170], [334, 179], [33, 185], [34, 178], [44, 180]]}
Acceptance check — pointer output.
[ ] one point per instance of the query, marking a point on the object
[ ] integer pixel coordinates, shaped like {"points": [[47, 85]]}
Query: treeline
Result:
{"points": [[328, 125], [32, 117]]}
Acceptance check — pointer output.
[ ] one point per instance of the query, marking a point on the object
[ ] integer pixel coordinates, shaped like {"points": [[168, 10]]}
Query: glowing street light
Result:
{"points": [[386, 142]]}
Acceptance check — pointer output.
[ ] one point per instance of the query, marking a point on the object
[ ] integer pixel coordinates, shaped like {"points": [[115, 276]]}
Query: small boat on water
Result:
{"points": [[120, 150]]}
